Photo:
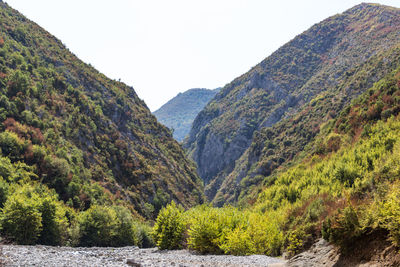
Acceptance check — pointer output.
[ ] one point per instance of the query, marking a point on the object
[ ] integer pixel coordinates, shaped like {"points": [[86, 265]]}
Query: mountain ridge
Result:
{"points": [[282, 83], [87, 130]]}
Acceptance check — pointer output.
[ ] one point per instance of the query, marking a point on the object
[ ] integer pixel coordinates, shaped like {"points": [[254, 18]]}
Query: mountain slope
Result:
{"points": [[345, 189], [315, 63], [179, 112], [290, 140], [88, 137]]}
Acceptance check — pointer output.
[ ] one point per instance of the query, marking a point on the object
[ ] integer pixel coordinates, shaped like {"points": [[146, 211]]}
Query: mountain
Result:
{"points": [[179, 113], [324, 176], [265, 118], [74, 130], [345, 190]]}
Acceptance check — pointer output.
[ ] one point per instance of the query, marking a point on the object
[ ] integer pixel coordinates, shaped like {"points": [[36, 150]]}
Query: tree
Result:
{"points": [[21, 220], [169, 227]]}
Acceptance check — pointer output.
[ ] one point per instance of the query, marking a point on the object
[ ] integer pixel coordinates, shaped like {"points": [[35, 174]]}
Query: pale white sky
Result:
{"points": [[164, 47]]}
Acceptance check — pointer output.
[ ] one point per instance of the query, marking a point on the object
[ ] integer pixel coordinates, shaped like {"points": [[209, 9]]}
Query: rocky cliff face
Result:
{"points": [[275, 93]]}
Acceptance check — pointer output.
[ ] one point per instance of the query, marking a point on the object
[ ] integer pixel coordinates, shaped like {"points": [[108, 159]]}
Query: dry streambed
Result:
{"points": [[11, 255]]}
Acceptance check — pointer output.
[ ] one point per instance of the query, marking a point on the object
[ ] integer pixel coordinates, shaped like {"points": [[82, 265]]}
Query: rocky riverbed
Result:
{"points": [[47, 256]]}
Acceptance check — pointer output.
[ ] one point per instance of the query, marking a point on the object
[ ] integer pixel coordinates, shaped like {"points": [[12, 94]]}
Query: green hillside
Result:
{"points": [[77, 140], [179, 113], [266, 117]]}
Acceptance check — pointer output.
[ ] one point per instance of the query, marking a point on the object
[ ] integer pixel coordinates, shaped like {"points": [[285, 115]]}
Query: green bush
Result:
{"points": [[3, 192], [169, 227], [19, 82], [206, 227], [73, 231], [124, 232], [11, 145], [389, 215], [266, 233], [97, 226], [238, 242], [300, 238], [219, 230], [33, 214], [54, 222], [342, 228], [110, 226], [143, 235], [21, 220]]}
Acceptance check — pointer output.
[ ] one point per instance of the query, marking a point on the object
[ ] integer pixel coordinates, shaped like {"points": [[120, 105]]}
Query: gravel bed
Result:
{"points": [[48, 256]]}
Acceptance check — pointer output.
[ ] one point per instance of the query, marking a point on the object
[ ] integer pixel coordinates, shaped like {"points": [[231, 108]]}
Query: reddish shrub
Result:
{"points": [[24, 131], [388, 99], [333, 143], [373, 112], [29, 153]]}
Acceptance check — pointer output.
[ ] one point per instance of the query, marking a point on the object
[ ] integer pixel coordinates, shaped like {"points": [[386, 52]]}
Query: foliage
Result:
{"points": [[169, 227], [224, 230], [32, 213], [3, 192], [111, 226], [21, 220], [389, 214], [343, 227], [143, 235], [208, 228]]}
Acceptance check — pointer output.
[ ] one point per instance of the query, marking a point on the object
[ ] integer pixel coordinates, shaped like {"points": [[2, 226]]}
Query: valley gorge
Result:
{"points": [[293, 163]]}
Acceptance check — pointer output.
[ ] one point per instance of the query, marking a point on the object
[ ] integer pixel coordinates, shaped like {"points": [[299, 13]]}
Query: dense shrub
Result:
{"points": [[18, 82], [206, 229], [343, 227], [21, 220], [111, 226], [169, 227], [143, 235], [124, 227], [220, 230], [389, 215], [54, 222], [11, 145], [3, 192], [237, 242], [32, 214], [266, 233], [97, 226]]}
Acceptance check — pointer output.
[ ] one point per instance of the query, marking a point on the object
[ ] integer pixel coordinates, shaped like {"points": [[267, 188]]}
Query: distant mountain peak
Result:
{"points": [[368, 6], [179, 112]]}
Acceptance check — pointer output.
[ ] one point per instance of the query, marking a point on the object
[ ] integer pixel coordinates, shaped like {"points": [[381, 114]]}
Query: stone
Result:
{"points": [[132, 262]]}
